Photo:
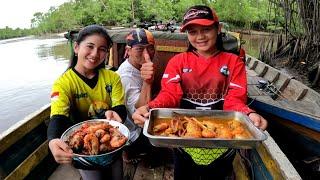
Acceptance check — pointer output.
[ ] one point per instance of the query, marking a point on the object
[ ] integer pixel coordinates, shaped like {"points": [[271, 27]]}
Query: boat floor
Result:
{"points": [[140, 169]]}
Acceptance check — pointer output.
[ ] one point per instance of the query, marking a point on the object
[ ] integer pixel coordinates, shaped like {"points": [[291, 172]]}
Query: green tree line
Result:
{"points": [[79, 13], [7, 32]]}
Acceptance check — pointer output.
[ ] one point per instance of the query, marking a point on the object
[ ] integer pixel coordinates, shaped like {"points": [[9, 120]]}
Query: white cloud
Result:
{"points": [[18, 13]]}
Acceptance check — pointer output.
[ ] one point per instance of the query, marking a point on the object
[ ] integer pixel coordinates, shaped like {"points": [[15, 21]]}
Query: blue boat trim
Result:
{"points": [[259, 169], [306, 121]]}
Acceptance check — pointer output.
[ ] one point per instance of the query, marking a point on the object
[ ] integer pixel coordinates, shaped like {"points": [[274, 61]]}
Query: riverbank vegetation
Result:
{"points": [[295, 21], [6, 33], [79, 13], [298, 47]]}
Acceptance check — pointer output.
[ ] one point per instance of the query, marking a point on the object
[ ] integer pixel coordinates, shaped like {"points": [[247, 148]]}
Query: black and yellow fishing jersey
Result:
{"points": [[72, 97]]}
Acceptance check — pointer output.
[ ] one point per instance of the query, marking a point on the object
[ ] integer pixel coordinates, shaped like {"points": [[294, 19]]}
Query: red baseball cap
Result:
{"points": [[201, 15]]}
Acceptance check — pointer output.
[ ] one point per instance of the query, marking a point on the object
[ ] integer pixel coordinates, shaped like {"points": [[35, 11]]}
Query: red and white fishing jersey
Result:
{"points": [[204, 83]]}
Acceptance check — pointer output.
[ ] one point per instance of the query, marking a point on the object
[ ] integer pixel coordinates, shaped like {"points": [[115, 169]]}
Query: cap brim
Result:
{"points": [[203, 22]]}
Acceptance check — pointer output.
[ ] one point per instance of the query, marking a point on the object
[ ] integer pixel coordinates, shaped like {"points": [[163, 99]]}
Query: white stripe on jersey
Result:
{"points": [[236, 85]]}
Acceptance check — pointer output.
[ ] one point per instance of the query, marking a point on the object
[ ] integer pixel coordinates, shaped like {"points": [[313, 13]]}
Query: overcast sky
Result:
{"points": [[18, 13]]}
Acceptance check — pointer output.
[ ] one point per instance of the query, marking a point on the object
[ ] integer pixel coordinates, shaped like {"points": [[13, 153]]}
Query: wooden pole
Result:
{"points": [[132, 9], [316, 78]]}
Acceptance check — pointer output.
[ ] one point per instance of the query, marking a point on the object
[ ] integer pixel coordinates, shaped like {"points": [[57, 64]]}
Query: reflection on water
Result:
{"points": [[253, 43], [29, 67], [58, 51]]}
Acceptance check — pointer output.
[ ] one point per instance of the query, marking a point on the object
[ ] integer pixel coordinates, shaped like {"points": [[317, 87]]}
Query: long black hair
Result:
{"points": [[218, 43], [83, 34]]}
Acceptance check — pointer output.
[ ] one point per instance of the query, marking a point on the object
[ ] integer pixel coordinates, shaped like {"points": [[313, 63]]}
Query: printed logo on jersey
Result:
{"points": [[174, 79], [108, 88], [97, 110], [54, 96], [81, 95], [186, 70], [224, 70], [165, 76]]}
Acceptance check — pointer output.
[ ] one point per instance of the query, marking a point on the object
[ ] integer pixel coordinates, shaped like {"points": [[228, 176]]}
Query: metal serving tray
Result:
{"points": [[164, 141]]}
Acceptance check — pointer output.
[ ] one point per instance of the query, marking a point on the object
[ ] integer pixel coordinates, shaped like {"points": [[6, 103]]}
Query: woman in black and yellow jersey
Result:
{"points": [[86, 90]]}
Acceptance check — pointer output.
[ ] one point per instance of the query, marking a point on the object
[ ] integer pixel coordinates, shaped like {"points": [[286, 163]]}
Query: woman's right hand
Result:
{"points": [[140, 115], [61, 152]]}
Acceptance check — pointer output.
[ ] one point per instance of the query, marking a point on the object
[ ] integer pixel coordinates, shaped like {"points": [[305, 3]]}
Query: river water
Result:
{"points": [[28, 68]]}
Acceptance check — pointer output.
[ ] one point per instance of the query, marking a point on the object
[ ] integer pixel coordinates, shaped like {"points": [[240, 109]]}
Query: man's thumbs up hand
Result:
{"points": [[146, 56], [147, 68]]}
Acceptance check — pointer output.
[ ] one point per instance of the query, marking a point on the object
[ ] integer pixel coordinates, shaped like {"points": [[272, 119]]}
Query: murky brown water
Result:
{"points": [[28, 68], [253, 43]]}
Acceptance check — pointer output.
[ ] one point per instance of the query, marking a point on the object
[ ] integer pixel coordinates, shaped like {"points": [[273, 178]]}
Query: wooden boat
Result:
{"points": [[24, 150], [282, 95], [293, 111], [24, 154]]}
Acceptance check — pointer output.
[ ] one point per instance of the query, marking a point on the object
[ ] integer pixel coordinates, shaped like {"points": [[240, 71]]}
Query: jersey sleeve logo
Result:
{"points": [[165, 76], [174, 79], [224, 70], [54, 96], [186, 70]]}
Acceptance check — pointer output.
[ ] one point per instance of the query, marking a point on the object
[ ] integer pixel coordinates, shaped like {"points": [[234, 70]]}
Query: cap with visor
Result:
{"points": [[199, 15]]}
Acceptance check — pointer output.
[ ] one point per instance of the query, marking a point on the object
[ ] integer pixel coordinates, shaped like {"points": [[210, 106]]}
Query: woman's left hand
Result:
{"points": [[258, 120], [112, 115]]}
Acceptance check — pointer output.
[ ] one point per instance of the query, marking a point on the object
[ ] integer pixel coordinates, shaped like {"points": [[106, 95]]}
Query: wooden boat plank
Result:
{"points": [[129, 169], [145, 173], [278, 171], [296, 101], [29, 163], [250, 73], [12, 157], [261, 69], [253, 64], [285, 112], [239, 168], [265, 98], [307, 108], [312, 96], [168, 172], [271, 75], [253, 80], [253, 90], [23, 127], [306, 132], [283, 86], [293, 89], [301, 95]]}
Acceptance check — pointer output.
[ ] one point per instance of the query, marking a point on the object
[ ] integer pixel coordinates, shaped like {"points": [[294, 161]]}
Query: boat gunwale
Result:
{"points": [[23, 127]]}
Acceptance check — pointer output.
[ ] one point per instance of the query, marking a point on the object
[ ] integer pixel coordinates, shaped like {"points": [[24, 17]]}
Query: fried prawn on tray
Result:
{"points": [[96, 138], [191, 127]]}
